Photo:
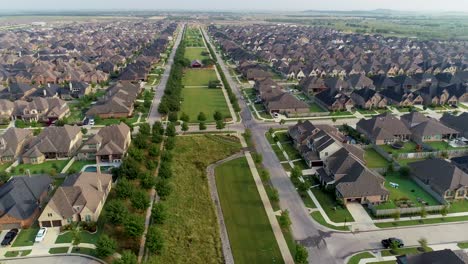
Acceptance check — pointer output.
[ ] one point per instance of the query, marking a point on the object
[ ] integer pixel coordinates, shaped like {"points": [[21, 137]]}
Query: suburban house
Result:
{"points": [[314, 144], [53, 143], [80, 198], [367, 98], [40, 109], [20, 200], [109, 145], [12, 143], [445, 179], [118, 102], [383, 129], [440, 95], [196, 64], [401, 97], [353, 182], [432, 130], [334, 100], [461, 162], [459, 123], [433, 257], [413, 118], [312, 86]]}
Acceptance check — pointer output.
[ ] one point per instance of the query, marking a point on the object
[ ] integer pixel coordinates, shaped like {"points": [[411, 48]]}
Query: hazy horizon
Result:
{"points": [[241, 5]]}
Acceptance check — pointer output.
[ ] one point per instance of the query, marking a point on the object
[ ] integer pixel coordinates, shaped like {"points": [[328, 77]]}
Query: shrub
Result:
{"points": [[127, 257], [301, 254], [158, 213], [284, 219], [201, 117], [163, 188], [140, 200], [134, 225], [124, 188], [105, 246], [116, 212], [147, 180], [202, 126], [154, 240]]}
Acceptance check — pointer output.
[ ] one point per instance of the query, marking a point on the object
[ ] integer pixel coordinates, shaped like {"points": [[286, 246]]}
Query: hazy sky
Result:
{"points": [[412, 5]]}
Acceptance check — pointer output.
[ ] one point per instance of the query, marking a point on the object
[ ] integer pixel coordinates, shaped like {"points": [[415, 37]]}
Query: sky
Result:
{"points": [[281, 5]]}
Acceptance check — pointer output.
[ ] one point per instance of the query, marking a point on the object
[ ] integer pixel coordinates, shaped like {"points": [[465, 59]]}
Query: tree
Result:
{"points": [[218, 116], [220, 124], [303, 187], [404, 171], [396, 215], [116, 211], [147, 180], [163, 188], [284, 219], [423, 243], [184, 126], [154, 240], [140, 200], [172, 117], [423, 212], [158, 128], [184, 117], [124, 188], [145, 129], [76, 236], [105, 246], [444, 211], [127, 257], [157, 138], [301, 255], [165, 171], [201, 117], [274, 196], [159, 213], [170, 130], [153, 151], [170, 143], [296, 172], [134, 225], [202, 126], [4, 177]]}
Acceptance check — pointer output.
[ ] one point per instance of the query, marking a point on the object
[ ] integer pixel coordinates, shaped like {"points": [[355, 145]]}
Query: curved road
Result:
{"points": [[52, 260]]}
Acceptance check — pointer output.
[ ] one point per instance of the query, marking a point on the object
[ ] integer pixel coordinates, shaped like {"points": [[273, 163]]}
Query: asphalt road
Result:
{"points": [[52, 260], [326, 246], [154, 114]]}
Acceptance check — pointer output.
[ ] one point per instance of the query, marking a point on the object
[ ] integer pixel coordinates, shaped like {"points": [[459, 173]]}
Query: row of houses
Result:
{"points": [[109, 144], [39, 109]]}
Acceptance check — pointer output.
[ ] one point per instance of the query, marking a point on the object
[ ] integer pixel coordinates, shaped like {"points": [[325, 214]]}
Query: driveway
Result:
{"points": [[363, 222], [52, 260]]}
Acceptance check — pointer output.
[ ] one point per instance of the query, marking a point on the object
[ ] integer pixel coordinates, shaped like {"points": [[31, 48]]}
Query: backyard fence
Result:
{"points": [[404, 211], [420, 155]]}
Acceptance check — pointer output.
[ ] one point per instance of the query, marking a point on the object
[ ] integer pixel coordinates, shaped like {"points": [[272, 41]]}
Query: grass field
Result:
{"points": [[250, 233], [374, 159], [407, 189], [86, 237], [206, 100], [45, 167], [328, 202], [195, 54], [198, 77], [191, 230]]}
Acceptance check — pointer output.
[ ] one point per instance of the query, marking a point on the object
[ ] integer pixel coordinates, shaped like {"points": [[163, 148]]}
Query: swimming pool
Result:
{"points": [[93, 168]]}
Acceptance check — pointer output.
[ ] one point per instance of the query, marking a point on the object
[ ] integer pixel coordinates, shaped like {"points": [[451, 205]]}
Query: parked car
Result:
{"points": [[386, 243], [41, 234], [9, 237]]}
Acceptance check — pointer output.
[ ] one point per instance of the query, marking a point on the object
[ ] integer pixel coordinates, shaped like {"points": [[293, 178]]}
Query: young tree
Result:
{"points": [[145, 129], [147, 180], [220, 124], [185, 126], [202, 126], [170, 130], [301, 255], [303, 187], [154, 240], [170, 143], [116, 212], [140, 200], [134, 225], [296, 172], [124, 188], [274, 195], [127, 257], [284, 220], [396, 215], [201, 117], [159, 213], [184, 117], [163, 188], [404, 171], [173, 117], [158, 128], [218, 116], [76, 236], [105, 246], [423, 243], [153, 151]]}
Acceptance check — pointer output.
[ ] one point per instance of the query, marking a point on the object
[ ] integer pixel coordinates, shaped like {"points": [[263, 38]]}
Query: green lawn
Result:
{"points": [[195, 54], [405, 162], [442, 145], [423, 222], [107, 121], [458, 206], [408, 147], [374, 159], [86, 237], [198, 77], [463, 245], [25, 237], [79, 164], [85, 251], [12, 254], [315, 108], [4, 166], [384, 262], [335, 212], [250, 233], [317, 216], [45, 167], [407, 189], [206, 100], [58, 250], [356, 258], [402, 251], [191, 231]]}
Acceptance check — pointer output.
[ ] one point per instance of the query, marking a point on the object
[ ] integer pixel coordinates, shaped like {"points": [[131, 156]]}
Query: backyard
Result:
{"points": [[335, 211], [250, 233], [407, 190], [408, 147], [374, 159], [79, 164], [195, 54], [46, 167], [191, 231], [206, 100], [198, 77]]}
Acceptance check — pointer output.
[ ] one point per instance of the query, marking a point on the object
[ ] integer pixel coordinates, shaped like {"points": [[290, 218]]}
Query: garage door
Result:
{"points": [[57, 223], [46, 224], [9, 226]]}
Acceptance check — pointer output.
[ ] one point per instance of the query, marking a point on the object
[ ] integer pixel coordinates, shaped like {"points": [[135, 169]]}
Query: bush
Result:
{"points": [[147, 180], [163, 188], [201, 117], [184, 117], [153, 150], [284, 220], [172, 117], [127, 257], [158, 213], [154, 240], [89, 226], [151, 165], [140, 200], [116, 212], [202, 126], [105, 246], [170, 130], [170, 143], [124, 188], [134, 225], [165, 171], [218, 116], [166, 156], [301, 254]]}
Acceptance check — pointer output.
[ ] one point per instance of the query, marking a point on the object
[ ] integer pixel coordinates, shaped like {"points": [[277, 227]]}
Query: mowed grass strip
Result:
{"points": [[204, 100], [198, 77], [250, 233], [191, 232], [195, 54]]}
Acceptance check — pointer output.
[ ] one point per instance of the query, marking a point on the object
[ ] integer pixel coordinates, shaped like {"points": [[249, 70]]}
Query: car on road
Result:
{"points": [[41, 234], [386, 243], [9, 237]]}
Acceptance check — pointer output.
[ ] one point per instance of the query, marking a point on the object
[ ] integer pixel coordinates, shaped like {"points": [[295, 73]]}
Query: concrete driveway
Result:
{"points": [[52, 260], [363, 222]]}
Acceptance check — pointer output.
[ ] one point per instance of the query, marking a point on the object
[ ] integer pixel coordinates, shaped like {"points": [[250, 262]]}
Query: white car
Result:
{"points": [[41, 234]]}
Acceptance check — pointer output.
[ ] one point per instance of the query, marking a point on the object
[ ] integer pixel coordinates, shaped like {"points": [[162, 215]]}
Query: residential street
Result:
{"points": [[154, 114], [324, 245]]}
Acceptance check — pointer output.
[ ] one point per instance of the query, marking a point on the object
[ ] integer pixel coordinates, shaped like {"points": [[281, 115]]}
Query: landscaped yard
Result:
{"points": [[58, 250], [45, 167], [198, 77], [335, 212], [191, 230], [374, 159], [427, 221], [86, 237], [15, 253], [405, 162], [195, 54], [356, 258], [85, 251], [250, 233], [317, 216], [79, 164], [206, 100], [458, 206], [407, 189], [4, 166], [25, 237], [402, 251], [315, 108], [442, 145], [408, 147]]}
